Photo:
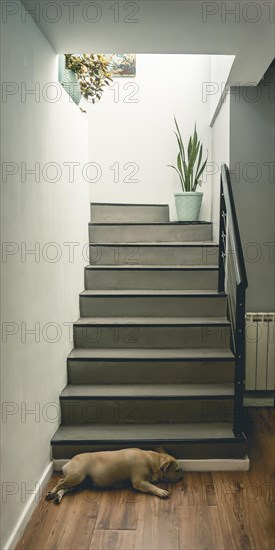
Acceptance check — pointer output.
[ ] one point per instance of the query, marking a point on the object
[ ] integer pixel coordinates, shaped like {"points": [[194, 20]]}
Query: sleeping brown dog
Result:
{"points": [[114, 468]]}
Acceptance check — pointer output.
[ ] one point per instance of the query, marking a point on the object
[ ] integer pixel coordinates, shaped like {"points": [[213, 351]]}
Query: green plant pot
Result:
{"points": [[188, 206]]}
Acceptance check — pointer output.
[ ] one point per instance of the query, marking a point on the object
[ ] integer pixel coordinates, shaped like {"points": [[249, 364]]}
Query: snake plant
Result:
{"points": [[189, 164]]}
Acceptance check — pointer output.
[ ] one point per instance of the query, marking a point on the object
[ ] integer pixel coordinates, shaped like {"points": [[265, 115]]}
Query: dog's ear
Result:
{"points": [[160, 450], [165, 462]]}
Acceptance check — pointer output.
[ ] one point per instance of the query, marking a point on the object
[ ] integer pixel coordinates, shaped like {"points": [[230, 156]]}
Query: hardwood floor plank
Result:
{"points": [[112, 540], [197, 489], [75, 533], [40, 528], [67, 525], [200, 528], [158, 527], [118, 510], [260, 425], [244, 516]]}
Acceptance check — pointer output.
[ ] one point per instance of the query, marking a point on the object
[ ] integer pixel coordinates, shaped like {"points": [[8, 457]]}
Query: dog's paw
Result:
{"points": [[50, 496], [57, 499], [164, 494]]}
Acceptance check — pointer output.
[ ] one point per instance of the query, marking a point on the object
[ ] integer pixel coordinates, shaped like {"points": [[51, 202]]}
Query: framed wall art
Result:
{"points": [[122, 64]]}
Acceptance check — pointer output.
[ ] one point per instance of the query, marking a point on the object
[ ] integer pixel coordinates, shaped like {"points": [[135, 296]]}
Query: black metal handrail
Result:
{"points": [[233, 281]]}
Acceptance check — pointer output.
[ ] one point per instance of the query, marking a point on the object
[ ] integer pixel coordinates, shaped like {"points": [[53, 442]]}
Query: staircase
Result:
{"points": [[152, 363]]}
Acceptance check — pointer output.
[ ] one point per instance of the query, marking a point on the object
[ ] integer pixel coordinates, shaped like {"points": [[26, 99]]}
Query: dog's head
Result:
{"points": [[169, 468]]}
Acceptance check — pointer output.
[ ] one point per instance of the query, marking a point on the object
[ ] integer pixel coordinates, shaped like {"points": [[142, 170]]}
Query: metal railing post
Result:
{"points": [[222, 241], [240, 360]]}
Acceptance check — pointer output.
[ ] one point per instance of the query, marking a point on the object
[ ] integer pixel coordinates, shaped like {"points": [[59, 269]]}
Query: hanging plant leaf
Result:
{"points": [[92, 71]]}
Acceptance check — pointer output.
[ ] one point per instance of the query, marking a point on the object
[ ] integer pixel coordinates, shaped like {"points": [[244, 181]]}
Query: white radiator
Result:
{"points": [[260, 359]]}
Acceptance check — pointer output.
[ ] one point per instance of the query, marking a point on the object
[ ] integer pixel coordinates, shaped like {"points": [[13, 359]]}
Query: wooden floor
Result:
{"points": [[206, 511]]}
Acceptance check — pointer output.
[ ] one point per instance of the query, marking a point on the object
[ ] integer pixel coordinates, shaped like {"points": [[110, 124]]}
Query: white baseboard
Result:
{"points": [[216, 465], [202, 465], [28, 509]]}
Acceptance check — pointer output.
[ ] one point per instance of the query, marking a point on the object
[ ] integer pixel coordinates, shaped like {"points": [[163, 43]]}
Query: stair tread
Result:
{"points": [[167, 224], [129, 204], [178, 321], [157, 243], [143, 432], [158, 292], [152, 267], [147, 353], [150, 391]]}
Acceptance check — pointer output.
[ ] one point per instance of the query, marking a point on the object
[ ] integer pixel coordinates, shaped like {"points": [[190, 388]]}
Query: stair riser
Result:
{"points": [[168, 306], [135, 336], [153, 255], [187, 450], [149, 233], [133, 372], [100, 279], [108, 213], [118, 411]]}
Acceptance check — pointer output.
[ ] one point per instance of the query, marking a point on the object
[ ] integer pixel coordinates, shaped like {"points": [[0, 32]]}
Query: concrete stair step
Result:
{"points": [[139, 354], [159, 253], [135, 403], [194, 440], [152, 332], [126, 277], [135, 366], [147, 391], [148, 232], [154, 303], [108, 213]]}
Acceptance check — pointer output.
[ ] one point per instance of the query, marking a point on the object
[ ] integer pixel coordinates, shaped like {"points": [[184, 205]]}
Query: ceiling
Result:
{"points": [[158, 26]]}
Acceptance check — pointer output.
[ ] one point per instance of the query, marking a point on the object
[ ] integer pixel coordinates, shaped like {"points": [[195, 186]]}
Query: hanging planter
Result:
{"points": [[84, 75], [189, 169], [71, 85], [69, 81]]}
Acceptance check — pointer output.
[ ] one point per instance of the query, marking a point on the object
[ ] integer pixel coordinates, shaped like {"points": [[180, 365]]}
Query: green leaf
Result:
{"points": [[199, 161], [192, 161], [179, 174], [202, 168], [195, 138], [190, 148], [179, 164], [181, 147]]}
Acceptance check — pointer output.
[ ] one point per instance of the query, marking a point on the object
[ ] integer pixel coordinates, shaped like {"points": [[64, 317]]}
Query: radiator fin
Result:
{"points": [[260, 368]]}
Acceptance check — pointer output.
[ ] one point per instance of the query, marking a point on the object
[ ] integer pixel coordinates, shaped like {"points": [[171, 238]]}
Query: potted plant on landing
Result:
{"points": [[84, 75], [189, 168]]}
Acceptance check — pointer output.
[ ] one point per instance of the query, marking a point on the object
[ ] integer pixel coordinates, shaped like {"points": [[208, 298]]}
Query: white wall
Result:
{"points": [[37, 290], [252, 162], [244, 138], [139, 129], [220, 67], [220, 155]]}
